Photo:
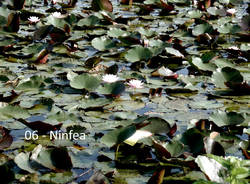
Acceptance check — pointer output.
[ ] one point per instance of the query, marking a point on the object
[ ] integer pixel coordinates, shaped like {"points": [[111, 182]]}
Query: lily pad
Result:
{"points": [[115, 89], [102, 43], [118, 136], [226, 75], [22, 160], [221, 118], [85, 81], [138, 53], [201, 29], [11, 111], [32, 83]]}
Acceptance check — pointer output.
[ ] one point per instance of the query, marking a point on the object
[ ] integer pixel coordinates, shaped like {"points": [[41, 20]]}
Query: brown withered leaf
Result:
{"points": [[5, 139], [40, 127], [157, 177], [13, 23], [98, 5], [8, 99]]}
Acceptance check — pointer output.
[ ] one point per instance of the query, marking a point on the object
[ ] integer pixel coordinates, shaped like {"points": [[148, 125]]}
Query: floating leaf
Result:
{"points": [[93, 103], [229, 28], [8, 99], [170, 149], [32, 83], [42, 56], [173, 51], [85, 81], [11, 111], [98, 5], [5, 139], [221, 118], [40, 126], [103, 43], [138, 53], [59, 154], [157, 177], [139, 134], [59, 35], [202, 65], [115, 89], [164, 72], [97, 177], [201, 29], [194, 139], [18, 4], [116, 33], [118, 136], [226, 75], [156, 125], [13, 23], [52, 158], [42, 32], [211, 168], [89, 21], [23, 161]]}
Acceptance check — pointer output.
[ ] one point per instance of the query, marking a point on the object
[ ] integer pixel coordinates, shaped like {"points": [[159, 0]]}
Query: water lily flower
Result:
{"points": [[58, 15], [56, 1], [231, 11], [233, 48], [109, 78], [33, 19], [134, 83], [146, 43]]}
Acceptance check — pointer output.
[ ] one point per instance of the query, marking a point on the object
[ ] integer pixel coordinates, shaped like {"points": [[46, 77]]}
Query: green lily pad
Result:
{"points": [[116, 33], [11, 111], [202, 65], [22, 160], [194, 14], [118, 136], [138, 53], [52, 158], [156, 125], [92, 20], [32, 83], [173, 51], [171, 149], [60, 178], [57, 22], [221, 118], [91, 103], [85, 81], [116, 88], [201, 29], [194, 139], [103, 43], [229, 28], [226, 74]]}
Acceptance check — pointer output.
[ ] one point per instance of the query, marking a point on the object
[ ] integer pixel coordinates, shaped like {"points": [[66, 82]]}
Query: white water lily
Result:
{"points": [[233, 48], [58, 15], [109, 78], [231, 11], [57, 1], [134, 83], [33, 19]]}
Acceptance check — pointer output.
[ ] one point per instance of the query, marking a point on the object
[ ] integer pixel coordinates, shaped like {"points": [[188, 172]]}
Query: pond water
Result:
{"points": [[177, 71]]}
